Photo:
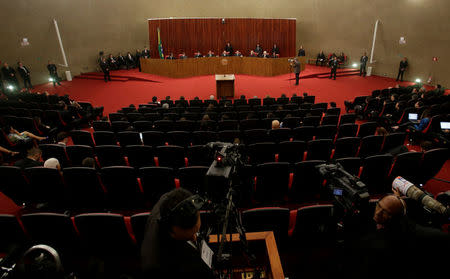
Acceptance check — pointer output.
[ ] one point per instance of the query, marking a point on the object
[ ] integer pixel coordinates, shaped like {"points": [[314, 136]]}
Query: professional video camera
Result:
{"points": [[347, 190], [222, 187]]}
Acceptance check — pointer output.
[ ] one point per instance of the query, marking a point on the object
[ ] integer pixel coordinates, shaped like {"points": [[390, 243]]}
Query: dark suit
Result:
{"points": [[301, 52], [333, 65], [138, 60], [320, 58], [113, 65], [276, 50], [27, 163], [259, 50], [121, 61], [145, 54], [362, 68], [170, 57], [105, 69], [210, 55], [25, 74], [131, 63], [53, 74], [229, 49], [402, 69], [296, 66]]}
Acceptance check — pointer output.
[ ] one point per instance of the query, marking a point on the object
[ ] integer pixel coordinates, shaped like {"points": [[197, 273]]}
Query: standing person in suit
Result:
{"points": [[295, 64], [25, 74], [53, 71], [105, 68], [259, 50], [363, 61], [275, 49], [9, 75], [402, 68], [301, 52], [137, 57], [131, 63], [146, 53], [334, 63], [229, 49]]}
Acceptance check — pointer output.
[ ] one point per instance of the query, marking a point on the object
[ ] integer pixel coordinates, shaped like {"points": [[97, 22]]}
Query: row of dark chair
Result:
{"points": [[176, 156], [275, 183], [245, 113], [115, 235]]}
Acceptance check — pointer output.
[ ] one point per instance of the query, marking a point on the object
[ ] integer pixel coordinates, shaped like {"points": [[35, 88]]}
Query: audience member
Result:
{"points": [[88, 162], [275, 124], [62, 138], [32, 160], [52, 163]]}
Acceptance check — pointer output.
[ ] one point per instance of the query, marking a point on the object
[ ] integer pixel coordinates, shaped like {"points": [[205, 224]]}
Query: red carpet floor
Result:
{"points": [[133, 87]]}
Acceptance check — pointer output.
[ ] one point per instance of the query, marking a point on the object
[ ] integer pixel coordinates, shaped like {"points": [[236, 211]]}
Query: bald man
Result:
{"points": [[275, 124], [388, 210]]}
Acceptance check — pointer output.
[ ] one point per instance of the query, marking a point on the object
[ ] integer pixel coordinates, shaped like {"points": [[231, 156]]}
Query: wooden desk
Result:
{"points": [[271, 247], [190, 67]]}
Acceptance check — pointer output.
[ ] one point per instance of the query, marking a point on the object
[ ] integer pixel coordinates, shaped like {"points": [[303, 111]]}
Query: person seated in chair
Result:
{"points": [[198, 54], [224, 53], [321, 58], [170, 56], [253, 53], [274, 55], [210, 54], [112, 62], [32, 160], [265, 54], [238, 53], [15, 136], [183, 55]]}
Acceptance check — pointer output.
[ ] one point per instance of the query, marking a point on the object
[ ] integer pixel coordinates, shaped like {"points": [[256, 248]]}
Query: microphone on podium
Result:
{"points": [[411, 191]]}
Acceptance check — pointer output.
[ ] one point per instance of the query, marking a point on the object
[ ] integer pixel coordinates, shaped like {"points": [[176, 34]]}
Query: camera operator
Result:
{"points": [[295, 64], [398, 246], [169, 249]]}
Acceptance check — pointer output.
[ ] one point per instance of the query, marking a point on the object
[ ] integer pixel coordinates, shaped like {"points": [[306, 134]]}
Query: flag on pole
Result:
{"points": [[160, 48]]}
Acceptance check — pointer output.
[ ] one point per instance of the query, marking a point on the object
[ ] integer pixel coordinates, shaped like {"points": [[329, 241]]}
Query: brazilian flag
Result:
{"points": [[160, 48]]}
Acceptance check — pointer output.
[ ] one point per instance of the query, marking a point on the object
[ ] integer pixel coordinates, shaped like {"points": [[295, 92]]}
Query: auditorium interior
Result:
{"points": [[115, 104]]}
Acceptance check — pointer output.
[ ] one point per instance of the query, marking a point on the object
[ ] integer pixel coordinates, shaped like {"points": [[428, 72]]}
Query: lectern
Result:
{"points": [[263, 245], [225, 86]]}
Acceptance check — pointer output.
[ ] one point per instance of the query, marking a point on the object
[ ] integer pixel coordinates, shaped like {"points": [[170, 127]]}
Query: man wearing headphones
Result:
{"points": [[170, 249]]}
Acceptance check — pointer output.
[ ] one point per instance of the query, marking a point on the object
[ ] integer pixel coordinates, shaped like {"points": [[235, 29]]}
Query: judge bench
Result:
{"points": [[219, 65]]}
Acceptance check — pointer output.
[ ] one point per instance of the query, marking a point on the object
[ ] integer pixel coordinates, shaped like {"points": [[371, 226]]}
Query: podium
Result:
{"points": [[225, 86], [266, 252]]}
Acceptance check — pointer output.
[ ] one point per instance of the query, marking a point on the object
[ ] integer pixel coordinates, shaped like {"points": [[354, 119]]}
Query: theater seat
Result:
{"points": [[105, 235], [156, 181], [274, 219], [272, 182], [138, 223]]}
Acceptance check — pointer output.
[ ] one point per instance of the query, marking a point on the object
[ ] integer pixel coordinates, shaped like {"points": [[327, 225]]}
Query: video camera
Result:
{"points": [[347, 190]]}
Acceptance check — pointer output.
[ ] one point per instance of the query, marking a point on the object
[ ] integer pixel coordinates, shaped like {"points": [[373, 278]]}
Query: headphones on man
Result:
{"points": [[183, 214]]}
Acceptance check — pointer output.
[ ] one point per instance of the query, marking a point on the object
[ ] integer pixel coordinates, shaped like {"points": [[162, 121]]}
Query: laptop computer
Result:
{"points": [[413, 117], [445, 125]]}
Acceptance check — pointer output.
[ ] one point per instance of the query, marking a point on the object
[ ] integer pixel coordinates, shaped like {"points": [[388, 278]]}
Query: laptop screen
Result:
{"points": [[412, 116], [445, 125]]}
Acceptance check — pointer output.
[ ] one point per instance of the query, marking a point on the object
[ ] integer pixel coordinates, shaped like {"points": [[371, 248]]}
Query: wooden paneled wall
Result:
{"points": [[204, 34]]}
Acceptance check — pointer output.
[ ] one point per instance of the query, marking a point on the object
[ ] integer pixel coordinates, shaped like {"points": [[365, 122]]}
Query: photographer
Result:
{"points": [[296, 65], [398, 246], [169, 249]]}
